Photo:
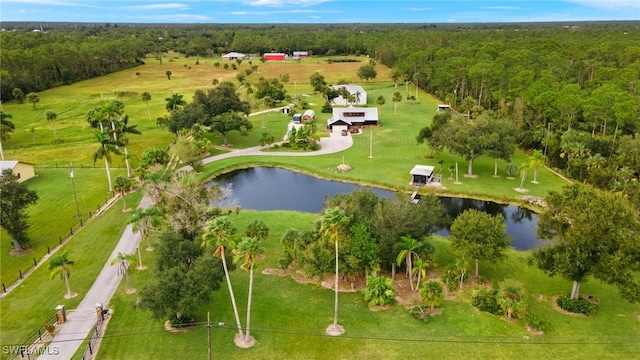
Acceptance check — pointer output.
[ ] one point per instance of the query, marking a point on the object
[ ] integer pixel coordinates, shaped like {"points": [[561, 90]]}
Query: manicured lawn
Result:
{"points": [[35, 299], [55, 213], [289, 318]]}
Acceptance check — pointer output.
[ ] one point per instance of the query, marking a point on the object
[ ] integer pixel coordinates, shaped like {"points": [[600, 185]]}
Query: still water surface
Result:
{"points": [[263, 188]]}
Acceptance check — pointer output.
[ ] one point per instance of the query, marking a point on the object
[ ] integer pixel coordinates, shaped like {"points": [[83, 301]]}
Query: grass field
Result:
{"points": [[289, 318], [35, 299]]}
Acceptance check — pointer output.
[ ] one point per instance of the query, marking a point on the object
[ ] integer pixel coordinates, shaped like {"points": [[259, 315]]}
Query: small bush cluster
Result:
{"points": [[536, 321], [487, 300], [577, 306], [420, 313]]}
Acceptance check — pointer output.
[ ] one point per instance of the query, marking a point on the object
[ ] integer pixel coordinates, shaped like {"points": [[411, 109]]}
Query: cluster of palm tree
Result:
{"points": [[220, 234], [111, 128]]}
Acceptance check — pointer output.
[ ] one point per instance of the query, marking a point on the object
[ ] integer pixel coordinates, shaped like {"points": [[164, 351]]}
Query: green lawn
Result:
{"points": [[34, 300], [289, 318], [55, 213]]}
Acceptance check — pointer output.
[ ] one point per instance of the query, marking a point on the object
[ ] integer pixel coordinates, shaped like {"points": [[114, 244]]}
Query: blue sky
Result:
{"points": [[317, 11]]}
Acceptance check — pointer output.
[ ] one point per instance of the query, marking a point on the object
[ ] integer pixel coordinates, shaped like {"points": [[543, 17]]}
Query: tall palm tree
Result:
{"points": [[524, 170], [107, 147], [397, 97], [331, 223], [124, 262], [111, 112], [247, 250], [146, 97], [408, 249], [220, 232], [6, 127], [123, 128], [175, 102], [420, 267], [535, 160], [59, 264], [144, 220], [52, 116]]}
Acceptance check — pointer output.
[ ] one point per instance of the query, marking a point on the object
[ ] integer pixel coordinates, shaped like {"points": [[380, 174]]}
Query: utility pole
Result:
{"points": [[208, 335], [73, 187], [371, 145]]}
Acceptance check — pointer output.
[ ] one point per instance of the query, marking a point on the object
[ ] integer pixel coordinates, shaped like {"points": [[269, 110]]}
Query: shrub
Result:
{"points": [[536, 321], [487, 300], [577, 306], [420, 313], [379, 290]]}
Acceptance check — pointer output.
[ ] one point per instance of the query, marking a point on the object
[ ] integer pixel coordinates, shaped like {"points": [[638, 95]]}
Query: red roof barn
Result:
{"points": [[275, 56]]}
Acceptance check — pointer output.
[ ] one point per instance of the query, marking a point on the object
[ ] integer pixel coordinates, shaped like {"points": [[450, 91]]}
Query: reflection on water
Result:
{"points": [[264, 188]]}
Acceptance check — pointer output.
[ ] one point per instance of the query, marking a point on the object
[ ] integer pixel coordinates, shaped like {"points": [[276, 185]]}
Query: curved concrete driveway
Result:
{"points": [[329, 145], [81, 321]]}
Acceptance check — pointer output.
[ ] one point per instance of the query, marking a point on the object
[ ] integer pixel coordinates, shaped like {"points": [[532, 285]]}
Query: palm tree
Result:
{"points": [[535, 160], [123, 128], [511, 169], [122, 185], [510, 297], [107, 147], [175, 102], [220, 233], [124, 262], [6, 127], [18, 94], [247, 250], [111, 112], [397, 97], [146, 97], [59, 264], [144, 220], [33, 98], [523, 174], [432, 293], [52, 116], [408, 247], [420, 267], [331, 224]]}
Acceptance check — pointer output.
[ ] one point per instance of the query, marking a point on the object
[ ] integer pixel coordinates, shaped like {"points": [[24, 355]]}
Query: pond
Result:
{"points": [[264, 188]]}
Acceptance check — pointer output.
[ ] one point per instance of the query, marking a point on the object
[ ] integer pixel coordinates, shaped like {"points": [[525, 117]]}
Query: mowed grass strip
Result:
{"points": [[289, 318], [25, 309], [53, 216]]}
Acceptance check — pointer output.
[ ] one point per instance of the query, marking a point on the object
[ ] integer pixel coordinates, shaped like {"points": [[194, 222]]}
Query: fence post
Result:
{"points": [[4, 289], [81, 222], [89, 214], [39, 335], [35, 263], [20, 271], [60, 239], [71, 230], [48, 251]]}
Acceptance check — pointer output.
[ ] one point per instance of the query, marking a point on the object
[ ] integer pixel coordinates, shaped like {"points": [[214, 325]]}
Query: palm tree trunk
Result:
{"points": [[335, 313], [495, 167], [410, 267], [233, 298], [106, 166], [124, 202], [66, 281], [535, 174], [477, 272], [55, 136], [126, 161], [470, 168], [247, 336], [1, 151], [148, 111]]}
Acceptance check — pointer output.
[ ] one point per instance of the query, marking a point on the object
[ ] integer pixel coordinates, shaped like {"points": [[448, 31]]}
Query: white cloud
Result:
{"points": [[609, 4], [419, 9], [277, 3], [501, 8], [169, 6]]}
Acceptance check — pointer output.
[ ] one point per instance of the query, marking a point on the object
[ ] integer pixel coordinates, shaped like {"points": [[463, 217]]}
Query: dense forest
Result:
{"points": [[572, 89]]}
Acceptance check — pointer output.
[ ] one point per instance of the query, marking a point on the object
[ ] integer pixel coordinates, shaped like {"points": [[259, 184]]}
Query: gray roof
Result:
{"points": [[9, 164], [370, 114], [423, 170], [234, 54]]}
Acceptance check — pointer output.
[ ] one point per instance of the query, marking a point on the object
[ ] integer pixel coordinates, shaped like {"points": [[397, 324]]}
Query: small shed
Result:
{"points": [[421, 174], [23, 170], [443, 107], [300, 54], [286, 110], [308, 115]]}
